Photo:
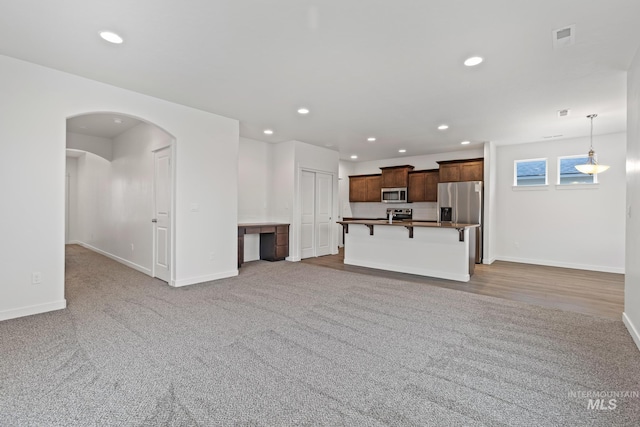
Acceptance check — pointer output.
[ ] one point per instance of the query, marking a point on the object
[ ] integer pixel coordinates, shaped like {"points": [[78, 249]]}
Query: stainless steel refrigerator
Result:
{"points": [[461, 202]]}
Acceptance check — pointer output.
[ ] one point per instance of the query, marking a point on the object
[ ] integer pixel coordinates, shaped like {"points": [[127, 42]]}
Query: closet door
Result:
{"points": [[307, 223], [316, 194], [324, 199]]}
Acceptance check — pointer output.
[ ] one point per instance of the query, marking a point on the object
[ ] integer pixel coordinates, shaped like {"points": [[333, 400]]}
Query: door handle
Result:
{"points": [[154, 220]]}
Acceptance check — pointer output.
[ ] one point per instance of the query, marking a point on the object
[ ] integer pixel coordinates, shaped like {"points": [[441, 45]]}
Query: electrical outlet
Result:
{"points": [[132, 247], [36, 278], [212, 256], [517, 245]]}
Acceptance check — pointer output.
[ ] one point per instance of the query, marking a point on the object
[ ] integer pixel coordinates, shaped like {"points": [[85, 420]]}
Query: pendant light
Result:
{"points": [[592, 165]]}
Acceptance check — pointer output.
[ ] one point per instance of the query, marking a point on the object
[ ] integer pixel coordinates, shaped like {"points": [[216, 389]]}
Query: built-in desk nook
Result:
{"points": [[274, 240]]}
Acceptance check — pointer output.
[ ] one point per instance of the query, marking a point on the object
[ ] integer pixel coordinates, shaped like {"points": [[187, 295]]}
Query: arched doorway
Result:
{"points": [[121, 192]]}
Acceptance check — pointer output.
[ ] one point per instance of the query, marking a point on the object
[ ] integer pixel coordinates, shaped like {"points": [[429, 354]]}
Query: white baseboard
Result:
{"points": [[128, 263], [635, 334], [73, 242], [410, 270], [293, 258], [32, 309], [605, 269], [489, 261], [202, 279]]}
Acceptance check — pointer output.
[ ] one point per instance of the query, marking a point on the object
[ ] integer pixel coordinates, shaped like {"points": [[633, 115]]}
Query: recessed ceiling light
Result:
{"points": [[354, 157], [303, 110], [111, 37], [443, 127], [118, 121], [328, 145], [371, 139], [268, 132], [465, 142], [402, 150], [473, 61]]}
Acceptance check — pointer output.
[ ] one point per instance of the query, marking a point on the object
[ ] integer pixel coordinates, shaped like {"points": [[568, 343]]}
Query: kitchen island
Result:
{"points": [[443, 250]]}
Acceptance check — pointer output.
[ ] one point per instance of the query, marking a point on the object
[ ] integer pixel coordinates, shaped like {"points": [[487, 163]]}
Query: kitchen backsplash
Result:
{"points": [[421, 211]]}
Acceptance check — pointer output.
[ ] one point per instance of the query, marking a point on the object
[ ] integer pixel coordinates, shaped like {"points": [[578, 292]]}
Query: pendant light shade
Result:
{"points": [[592, 166]]}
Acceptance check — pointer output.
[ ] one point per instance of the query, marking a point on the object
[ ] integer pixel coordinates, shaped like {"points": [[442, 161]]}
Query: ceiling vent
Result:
{"points": [[563, 113], [564, 37]]}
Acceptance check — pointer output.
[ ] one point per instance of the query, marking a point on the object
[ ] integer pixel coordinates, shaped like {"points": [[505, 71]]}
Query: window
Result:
{"points": [[530, 172], [568, 174]]}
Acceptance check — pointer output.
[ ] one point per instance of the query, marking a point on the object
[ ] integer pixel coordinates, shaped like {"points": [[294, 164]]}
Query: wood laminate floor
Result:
{"points": [[588, 292]]}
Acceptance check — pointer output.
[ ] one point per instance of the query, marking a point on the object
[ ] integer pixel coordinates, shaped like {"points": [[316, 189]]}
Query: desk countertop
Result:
{"points": [[262, 224]]}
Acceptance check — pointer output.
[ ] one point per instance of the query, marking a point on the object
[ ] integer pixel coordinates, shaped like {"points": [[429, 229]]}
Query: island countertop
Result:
{"points": [[408, 223]]}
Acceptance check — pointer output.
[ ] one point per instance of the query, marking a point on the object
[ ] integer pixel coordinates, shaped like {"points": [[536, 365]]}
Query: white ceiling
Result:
{"points": [[101, 124], [389, 69]]}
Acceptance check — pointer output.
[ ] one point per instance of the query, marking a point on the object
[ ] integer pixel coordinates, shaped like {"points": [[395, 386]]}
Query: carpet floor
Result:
{"points": [[296, 344]]}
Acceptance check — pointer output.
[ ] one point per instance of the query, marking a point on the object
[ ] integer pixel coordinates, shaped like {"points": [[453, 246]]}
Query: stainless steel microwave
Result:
{"points": [[394, 195]]}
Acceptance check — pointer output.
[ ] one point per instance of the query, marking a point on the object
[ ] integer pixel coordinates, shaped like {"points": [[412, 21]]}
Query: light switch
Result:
{"points": [[195, 207]]}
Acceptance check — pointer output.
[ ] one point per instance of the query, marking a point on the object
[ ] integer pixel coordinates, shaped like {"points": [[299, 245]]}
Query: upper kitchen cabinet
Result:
{"points": [[365, 188], [462, 170], [423, 186], [396, 176]]}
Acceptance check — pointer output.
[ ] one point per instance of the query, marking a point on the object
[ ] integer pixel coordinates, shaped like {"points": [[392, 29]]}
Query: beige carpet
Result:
{"points": [[294, 344]]}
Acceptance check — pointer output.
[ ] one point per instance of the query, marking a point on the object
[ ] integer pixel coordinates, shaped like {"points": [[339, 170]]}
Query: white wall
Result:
{"points": [[344, 207], [254, 189], [631, 315], [282, 181], [94, 201], [421, 211], [573, 227], [33, 142], [102, 147]]}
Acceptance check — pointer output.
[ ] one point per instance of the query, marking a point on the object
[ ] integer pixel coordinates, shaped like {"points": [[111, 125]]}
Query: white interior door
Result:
{"points": [[162, 214], [316, 194], [324, 203], [307, 223]]}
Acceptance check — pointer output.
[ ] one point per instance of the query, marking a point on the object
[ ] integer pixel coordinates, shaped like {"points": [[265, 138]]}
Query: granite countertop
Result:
{"points": [[408, 223]]}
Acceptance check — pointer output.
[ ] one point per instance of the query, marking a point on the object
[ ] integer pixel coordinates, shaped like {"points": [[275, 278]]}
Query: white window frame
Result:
{"points": [[546, 173], [595, 175]]}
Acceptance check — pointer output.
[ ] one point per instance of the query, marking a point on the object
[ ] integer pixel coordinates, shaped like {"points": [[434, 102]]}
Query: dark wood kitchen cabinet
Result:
{"points": [[374, 188], [365, 188], [461, 170], [396, 176], [423, 185], [357, 188]]}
